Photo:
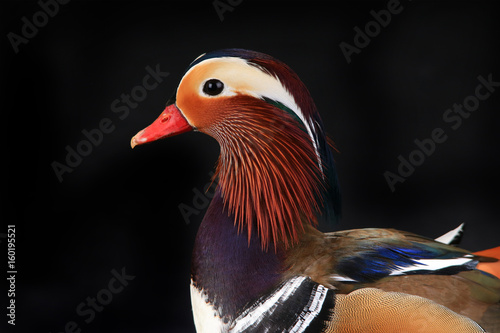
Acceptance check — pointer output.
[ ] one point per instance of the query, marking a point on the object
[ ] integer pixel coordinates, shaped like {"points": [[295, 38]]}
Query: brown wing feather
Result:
{"points": [[472, 293]]}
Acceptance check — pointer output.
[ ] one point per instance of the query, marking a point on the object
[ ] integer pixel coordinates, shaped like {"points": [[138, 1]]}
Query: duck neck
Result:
{"points": [[271, 174], [228, 268]]}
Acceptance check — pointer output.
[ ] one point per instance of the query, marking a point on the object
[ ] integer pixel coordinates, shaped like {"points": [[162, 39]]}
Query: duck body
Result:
{"points": [[260, 265], [231, 278]]}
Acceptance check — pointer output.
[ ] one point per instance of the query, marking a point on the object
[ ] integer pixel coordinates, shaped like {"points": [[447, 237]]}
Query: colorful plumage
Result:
{"points": [[259, 264]]}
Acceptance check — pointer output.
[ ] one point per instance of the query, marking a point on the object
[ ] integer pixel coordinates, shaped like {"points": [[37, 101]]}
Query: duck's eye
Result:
{"points": [[213, 87]]}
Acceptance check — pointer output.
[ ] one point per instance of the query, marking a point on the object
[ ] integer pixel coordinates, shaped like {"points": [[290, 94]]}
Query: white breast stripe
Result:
{"points": [[313, 310], [255, 314], [206, 319]]}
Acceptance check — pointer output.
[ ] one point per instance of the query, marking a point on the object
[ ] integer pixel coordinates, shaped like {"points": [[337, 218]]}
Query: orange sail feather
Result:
{"points": [[490, 267]]}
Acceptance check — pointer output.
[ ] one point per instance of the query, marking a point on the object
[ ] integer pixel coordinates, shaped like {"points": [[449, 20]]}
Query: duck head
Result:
{"points": [[276, 171]]}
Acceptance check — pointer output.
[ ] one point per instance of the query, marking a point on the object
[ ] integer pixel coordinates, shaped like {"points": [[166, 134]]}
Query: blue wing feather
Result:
{"points": [[379, 261]]}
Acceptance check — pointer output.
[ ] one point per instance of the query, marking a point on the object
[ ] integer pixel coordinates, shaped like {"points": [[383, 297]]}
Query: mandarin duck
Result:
{"points": [[259, 262]]}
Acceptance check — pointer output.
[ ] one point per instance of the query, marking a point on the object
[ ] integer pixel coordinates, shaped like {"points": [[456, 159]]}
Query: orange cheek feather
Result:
{"points": [[202, 112]]}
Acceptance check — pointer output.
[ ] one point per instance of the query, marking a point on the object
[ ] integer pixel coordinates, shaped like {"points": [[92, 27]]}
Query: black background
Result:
{"points": [[119, 207]]}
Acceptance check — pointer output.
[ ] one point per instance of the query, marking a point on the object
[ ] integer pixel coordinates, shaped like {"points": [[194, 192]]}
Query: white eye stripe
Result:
{"points": [[238, 75]]}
